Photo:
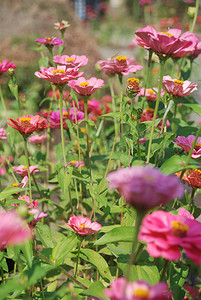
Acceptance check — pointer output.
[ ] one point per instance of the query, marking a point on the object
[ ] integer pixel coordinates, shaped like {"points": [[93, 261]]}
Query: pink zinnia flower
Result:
{"points": [[166, 44], [3, 134], [55, 94], [37, 216], [86, 87], [150, 94], [5, 65], [147, 115], [50, 42], [186, 143], [183, 212], [144, 2], [22, 170], [3, 164], [59, 75], [121, 65], [79, 115], [83, 226], [136, 184], [55, 121], [37, 139], [13, 230], [121, 289], [177, 87], [76, 163], [166, 233], [28, 124], [71, 61], [142, 141], [26, 199]]}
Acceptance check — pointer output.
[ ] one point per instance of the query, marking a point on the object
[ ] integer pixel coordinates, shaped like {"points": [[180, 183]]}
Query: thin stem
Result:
{"points": [[195, 15], [87, 135], [61, 121], [162, 63], [164, 270], [192, 147], [97, 134], [148, 71], [28, 171], [113, 101], [138, 140], [191, 203], [2, 99], [36, 185], [77, 260]]}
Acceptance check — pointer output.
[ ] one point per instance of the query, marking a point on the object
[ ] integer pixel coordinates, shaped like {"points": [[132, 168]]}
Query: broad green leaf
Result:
{"points": [[61, 250], [64, 179], [95, 290], [114, 115], [98, 261], [44, 234], [177, 163], [179, 273], [195, 107], [27, 249], [122, 234], [10, 190], [3, 263]]}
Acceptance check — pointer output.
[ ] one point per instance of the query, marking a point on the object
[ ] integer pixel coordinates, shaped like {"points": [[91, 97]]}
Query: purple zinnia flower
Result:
{"points": [[186, 143]]}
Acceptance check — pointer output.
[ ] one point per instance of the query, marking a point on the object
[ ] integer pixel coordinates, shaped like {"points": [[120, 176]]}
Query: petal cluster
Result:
{"points": [[86, 87], [186, 143], [3, 134], [177, 87], [37, 139], [71, 61], [5, 65], [50, 41], [145, 188], [83, 226]]}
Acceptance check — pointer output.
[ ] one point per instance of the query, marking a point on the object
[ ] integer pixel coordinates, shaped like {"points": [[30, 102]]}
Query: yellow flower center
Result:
{"points": [[73, 161], [25, 120], [197, 171], [121, 58], [59, 71], [24, 168], [141, 293], [15, 184], [179, 229], [48, 39], [65, 114], [133, 80], [84, 84], [166, 33], [83, 130], [150, 92], [150, 110], [23, 200], [83, 226], [178, 81], [69, 59], [197, 146]]}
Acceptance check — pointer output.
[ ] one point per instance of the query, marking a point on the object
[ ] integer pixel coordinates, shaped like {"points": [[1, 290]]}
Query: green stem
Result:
{"points": [[138, 140], [97, 134], [113, 101], [164, 270], [36, 185], [2, 99], [148, 71], [134, 254], [195, 15], [162, 63], [192, 147], [61, 121], [87, 135], [28, 171], [191, 203], [77, 260]]}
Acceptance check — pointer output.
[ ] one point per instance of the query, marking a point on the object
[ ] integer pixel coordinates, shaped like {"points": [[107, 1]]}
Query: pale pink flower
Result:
{"points": [[183, 212], [121, 289], [186, 143], [59, 75], [71, 61], [120, 65], [37, 216], [27, 201], [61, 25], [50, 41], [136, 184], [28, 124], [3, 134], [5, 65], [13, 230], [177, 87], [142, 141], [166, 44], [76, 163], [37, 139], [22, 170], [86, 87], [150, 94], [166, 233], [83, 226]]}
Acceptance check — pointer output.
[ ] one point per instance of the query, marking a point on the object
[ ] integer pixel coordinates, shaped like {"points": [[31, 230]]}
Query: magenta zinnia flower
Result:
{"points": [[71, 61], [166, 44], [150, 94], [86, 87], [83, 226], [50, 42], [22, 170], [59, 75], [27, 201], [13, 230], [121, 289], [55, 121], [37, 139], [5, 65], [3, 134], [28, 124], [177, 87], [121, 65], [197, 51], [76, 163], [166, 233], [186, 143], [136, 184]]}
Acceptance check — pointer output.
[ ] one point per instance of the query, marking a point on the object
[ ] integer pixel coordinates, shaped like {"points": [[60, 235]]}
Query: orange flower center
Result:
{"points": [[23, 200], [179, 229], [167, 33], [73, 161], [15, 184], [121, 58], [25, 120], [24, 168], [149, 110], [178, 82], [133, 80], [150, 92], [197, 146], [84, 84], [65, 114], [59, 71], [141, 293], [83, 130], [69, 59]]}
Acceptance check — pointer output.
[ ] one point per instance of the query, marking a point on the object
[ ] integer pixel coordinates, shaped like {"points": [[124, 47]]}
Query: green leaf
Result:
{"points": [[177, 163], [195, 107], [122, 234], [3, 263], [95, 290], [43, 62], [179, 273], [44, 234], [98, 261], [27, 249], [64, 179], [114, 115], [10, 190], [63, 248]]}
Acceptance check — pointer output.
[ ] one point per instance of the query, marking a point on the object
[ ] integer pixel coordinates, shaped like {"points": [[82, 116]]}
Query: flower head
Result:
{"points": [[13, 230], [5, 65], [133, 87], [86, 87], [71, 61], [50, 41], [192, 177], [22, 170], [166, 233], [177, 87], [3, 134], [76, 163], [37, 216], [61, 25], [196, 52], [186, 143], [83, 226], [136, 184], [37, 139], [166, 44], [150, 93], [60, 75], [121, 289], [27, 201], [55, 121], [28, 124]]}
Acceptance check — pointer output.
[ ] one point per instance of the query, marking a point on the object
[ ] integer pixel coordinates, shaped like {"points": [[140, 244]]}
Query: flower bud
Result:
{"points": [[191, 11], [133, 87]]}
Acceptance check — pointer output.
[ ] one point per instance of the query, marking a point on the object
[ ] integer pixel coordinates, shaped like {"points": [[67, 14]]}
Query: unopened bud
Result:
{"points": [[191, 11], [22, 211], [11, 72]]}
